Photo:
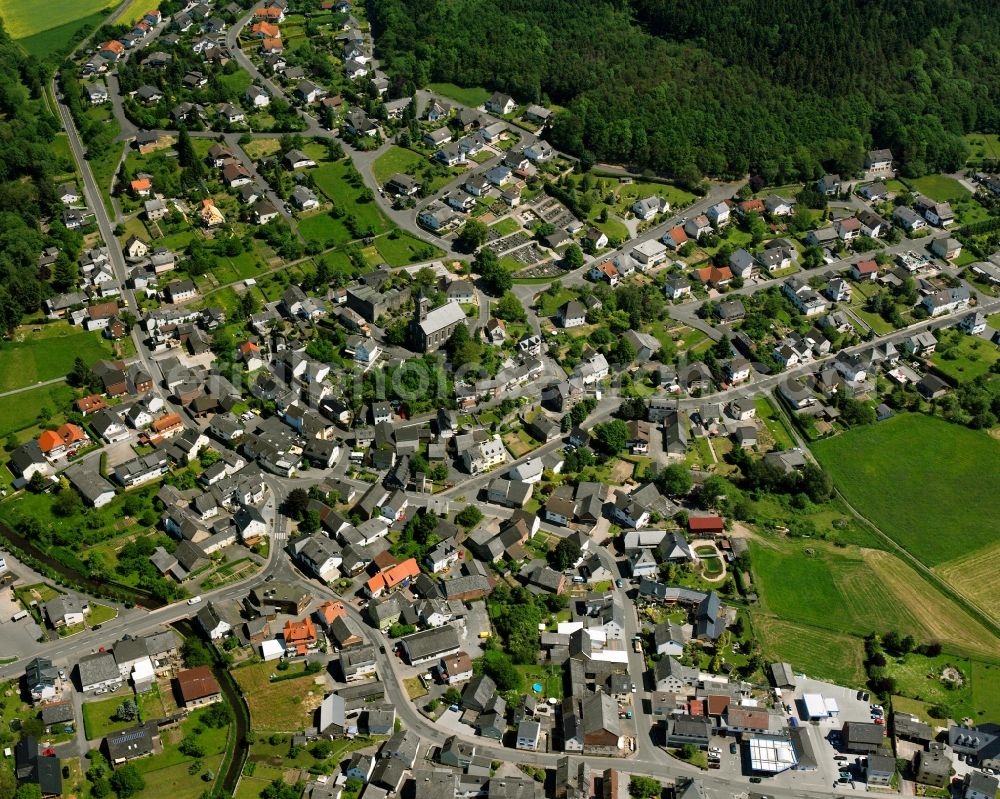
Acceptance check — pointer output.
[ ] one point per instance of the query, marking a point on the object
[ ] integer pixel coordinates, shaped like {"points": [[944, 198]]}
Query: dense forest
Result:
{"points": [[780, 88], [27, 192]]}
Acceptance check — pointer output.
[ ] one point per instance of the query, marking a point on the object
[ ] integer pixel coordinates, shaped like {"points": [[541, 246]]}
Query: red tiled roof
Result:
{"points": [[705, 523]]}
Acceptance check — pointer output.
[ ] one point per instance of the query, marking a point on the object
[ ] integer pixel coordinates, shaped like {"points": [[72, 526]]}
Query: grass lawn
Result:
{"points": [[549, 303], [940, 187], [393, 160], [34, 357], [912, 499], [964, 358], [320, 226], [20, 411], [285, 706], [100, 613], [612, 228], [97, 717], [260, 148], [550, 680], [402, 248], [414, 687], [473, 96], [506, 226], [336, 180], [857, 591]]}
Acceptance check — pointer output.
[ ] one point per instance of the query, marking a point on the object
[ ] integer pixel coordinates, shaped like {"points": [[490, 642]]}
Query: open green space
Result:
{"points": [[98, 717], [20, 411], [913, 476], [24, 18], [172, 773], [858, 591], [964, 358], [35, 357], [983, 147], [774, 423], [549, 678], [506, 226], [283, 706], [400, 248], [818, 653], [340, 182], [55, 40], [940, 187], [473, 96], [393, 160]]}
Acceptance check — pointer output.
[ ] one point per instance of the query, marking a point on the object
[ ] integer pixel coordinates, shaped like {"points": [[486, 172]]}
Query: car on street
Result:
{"points": [[732, 748], [619, 583], [755, 780], [194, 600]]}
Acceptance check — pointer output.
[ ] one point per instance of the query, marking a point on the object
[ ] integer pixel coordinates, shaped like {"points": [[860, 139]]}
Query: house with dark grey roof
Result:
{"points": [[131, 743]]}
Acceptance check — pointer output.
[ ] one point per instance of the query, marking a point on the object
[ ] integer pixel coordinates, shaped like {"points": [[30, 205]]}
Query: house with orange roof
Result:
{"points": [[271, 46], [752, 206], [91, 404], [300, 636], [56, 443], [329, 611], [265, 30], [676, 238], [168, 426], [112, 50], [392, 578], [249, 353], [270, 13], [864, 270], [715, 276], [142, 187], [606, 271]]}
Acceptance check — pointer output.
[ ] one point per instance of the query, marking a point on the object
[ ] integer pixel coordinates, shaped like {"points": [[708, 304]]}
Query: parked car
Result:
{"points": [[732, 748], [194, 600], [755, 780]]}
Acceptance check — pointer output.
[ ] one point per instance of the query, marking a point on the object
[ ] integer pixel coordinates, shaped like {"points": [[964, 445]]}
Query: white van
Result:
{"points": [[194, 600], [21, 614]]}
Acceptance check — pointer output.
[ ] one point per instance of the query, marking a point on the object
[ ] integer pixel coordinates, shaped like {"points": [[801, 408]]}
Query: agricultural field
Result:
{"points": [[35, 357], [858, 591], [473, 96], [285, 706], [976, 576], [913, 499], [816, 652], [43, 28]]}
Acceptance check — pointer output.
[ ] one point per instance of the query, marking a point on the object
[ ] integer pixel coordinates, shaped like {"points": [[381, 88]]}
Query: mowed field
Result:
{"points": [[922, 481], [857, 591], [821, 654], [976, 576], [48, 354], [286, 706], [44, 26]]}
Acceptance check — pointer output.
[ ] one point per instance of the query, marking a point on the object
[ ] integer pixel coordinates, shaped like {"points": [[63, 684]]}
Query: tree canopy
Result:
{"points": [[745, 88]]}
